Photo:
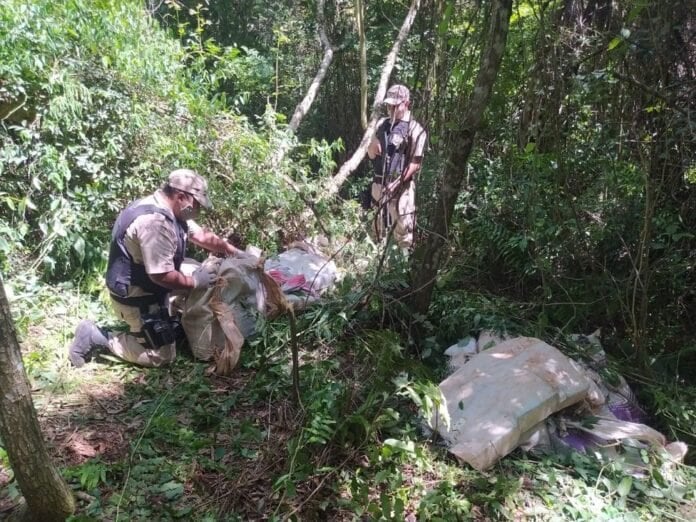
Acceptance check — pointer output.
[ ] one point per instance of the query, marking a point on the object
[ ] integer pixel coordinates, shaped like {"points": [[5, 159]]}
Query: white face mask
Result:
{"points": [[397, 112], [392, 114]]}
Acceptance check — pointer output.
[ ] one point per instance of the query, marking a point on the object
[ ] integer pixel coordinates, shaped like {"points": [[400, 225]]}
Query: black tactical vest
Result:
{"points": [[123, 272], [396, 146]]}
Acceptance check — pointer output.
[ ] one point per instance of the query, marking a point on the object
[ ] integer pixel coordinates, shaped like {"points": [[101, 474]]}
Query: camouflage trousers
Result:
{"points": [[399, 212]]}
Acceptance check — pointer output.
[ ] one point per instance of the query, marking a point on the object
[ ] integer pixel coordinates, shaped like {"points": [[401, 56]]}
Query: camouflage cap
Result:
{"points": [[397, 94], [189, 181]]}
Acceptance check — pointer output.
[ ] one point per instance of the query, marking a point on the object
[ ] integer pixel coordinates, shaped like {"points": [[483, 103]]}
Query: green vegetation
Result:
{"points": [[577, 213]]}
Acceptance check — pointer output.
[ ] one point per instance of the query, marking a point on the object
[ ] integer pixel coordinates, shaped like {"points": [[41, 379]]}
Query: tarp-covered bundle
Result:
{"points": [[302, 273], [218, 319], [503, 392], [525, 393]]}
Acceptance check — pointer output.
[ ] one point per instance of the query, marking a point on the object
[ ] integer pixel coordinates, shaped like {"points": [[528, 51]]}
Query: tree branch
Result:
{"points": [[303, 107], [300, 112], [352, 163]]}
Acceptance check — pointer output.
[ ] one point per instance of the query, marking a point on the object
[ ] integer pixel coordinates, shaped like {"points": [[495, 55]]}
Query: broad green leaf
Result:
{"points": [[79, 247], [171, 489], [624, 487], [615, 42], [403, 445]]}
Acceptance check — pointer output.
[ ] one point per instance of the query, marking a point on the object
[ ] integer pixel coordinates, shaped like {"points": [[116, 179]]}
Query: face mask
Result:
{"points": [[392, 115], [188, 212]]}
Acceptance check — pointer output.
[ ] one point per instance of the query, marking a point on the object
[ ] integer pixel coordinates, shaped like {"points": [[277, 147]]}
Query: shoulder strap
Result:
{"points": [[133, 212]]}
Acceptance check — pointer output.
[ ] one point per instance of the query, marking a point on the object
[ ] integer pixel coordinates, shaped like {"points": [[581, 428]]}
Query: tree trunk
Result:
{"points": [[428, 255], [301, 110], [563, 42], [362, 49], [47, 495], [659, 72]]}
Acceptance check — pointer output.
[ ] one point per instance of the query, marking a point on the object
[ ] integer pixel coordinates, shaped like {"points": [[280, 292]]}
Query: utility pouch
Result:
{"points": [[160, 329]]}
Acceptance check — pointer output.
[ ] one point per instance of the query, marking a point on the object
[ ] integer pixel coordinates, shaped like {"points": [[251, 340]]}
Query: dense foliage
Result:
{"points": [[578, 212], [89, 126]]}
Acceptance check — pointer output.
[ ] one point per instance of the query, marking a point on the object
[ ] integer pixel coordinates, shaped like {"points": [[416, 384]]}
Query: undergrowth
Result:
{"points": [[181, 443]]}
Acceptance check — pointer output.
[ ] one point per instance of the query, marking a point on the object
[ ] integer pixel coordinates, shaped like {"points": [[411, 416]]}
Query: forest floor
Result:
{"points": [[183, 443], [144, 443]]}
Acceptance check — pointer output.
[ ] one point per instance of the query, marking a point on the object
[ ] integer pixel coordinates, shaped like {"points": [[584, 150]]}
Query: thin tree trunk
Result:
{"points": [[352, 163], [428, 256], [360, 19], [303, 107], [47, 496], [300, 112], [436, 71], [306, 103]]}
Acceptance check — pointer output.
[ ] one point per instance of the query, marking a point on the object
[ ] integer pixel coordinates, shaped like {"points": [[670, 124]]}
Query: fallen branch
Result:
{"points": [[294, 348], [306, 103], [300, 112]]}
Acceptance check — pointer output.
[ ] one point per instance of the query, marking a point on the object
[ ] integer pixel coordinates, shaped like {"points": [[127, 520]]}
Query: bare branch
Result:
{"points": [[300, 112], [306, 103], [352, 163]]}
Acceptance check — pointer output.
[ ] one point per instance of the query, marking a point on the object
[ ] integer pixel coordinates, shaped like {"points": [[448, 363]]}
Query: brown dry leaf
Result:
{"points": [[79, 446]]}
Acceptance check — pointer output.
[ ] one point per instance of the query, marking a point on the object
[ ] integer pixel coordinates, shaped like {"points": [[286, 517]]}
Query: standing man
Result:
{"points": [[148, 244], [397, 152]]}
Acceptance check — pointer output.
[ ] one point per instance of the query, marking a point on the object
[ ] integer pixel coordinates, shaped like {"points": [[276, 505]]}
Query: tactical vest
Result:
{"points": [[396, 148], [123, 272]]}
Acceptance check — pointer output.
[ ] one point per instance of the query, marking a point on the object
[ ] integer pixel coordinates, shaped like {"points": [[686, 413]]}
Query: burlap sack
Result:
{"points": [[217, 319]]}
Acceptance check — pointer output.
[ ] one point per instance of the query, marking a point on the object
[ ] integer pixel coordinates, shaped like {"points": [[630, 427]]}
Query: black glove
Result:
{"points": [[203, 278]]}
